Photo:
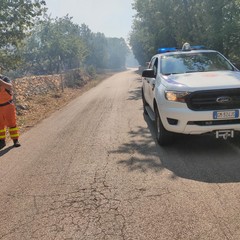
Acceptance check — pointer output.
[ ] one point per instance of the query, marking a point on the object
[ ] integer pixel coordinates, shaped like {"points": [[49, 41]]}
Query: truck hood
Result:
{"points": [[203, 80]]}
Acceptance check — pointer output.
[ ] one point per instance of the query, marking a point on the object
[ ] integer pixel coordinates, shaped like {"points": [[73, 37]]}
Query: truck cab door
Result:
{"points": [[152, 82], [148, 83]]}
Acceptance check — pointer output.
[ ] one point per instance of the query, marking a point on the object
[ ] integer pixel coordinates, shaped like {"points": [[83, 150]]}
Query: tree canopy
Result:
{"points": [[52, 43], [33, 43], [59, 44], [16, 18], [161, 23]]}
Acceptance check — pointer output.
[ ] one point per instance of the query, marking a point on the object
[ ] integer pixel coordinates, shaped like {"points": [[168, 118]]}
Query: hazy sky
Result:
{"points": [[111, 17]]}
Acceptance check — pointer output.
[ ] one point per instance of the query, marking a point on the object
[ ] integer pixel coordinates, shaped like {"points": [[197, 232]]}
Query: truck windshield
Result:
{"points": [[194, 62]]}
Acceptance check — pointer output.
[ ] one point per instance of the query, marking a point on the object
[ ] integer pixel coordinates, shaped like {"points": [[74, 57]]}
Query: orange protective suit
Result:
{"points": [[7, 113]]}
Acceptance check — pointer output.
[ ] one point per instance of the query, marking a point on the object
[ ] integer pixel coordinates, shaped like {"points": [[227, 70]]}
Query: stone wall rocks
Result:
{"points": [[26, 88], [35, 85]]}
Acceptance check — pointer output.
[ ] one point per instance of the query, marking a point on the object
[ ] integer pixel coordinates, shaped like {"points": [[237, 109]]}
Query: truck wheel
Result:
{"points": [[164, 137], [144, 103]]}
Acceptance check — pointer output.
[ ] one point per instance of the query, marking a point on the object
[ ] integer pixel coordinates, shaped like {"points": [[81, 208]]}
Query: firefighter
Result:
{"points": [[7, 113]]}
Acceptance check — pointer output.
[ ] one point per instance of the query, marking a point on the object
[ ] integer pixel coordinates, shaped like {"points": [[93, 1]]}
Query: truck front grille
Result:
{"points": [[209, 99], [214, 123]]}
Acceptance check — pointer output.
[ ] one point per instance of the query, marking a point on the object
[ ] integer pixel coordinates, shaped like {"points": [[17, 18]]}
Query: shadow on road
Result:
{"points": [[135, 94], [5, 150], [199, 158]]}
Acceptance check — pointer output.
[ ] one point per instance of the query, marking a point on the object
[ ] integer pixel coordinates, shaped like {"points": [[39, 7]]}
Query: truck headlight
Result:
{"points": [[176, 96]]}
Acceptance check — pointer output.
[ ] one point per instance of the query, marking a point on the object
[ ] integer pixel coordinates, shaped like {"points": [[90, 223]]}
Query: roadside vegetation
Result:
{"points": [[161, 23], [32, 43]]}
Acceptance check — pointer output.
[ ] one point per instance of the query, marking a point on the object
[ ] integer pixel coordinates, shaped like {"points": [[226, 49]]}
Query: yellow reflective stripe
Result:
{"points": [[14, 135], [2, 137], [4, 130], [13, 129]]}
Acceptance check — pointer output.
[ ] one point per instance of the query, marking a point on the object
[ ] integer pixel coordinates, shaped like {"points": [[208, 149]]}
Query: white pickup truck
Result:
{"points": [[191, 91]]}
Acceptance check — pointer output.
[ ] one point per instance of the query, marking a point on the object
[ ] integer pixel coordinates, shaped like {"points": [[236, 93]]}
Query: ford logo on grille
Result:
{"points": [[224, 99]]}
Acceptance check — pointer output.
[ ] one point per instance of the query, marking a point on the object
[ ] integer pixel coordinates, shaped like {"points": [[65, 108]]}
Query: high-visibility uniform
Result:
{"points": [[7, 113]]}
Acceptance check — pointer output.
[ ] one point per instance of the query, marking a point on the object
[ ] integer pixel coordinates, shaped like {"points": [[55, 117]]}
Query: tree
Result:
{"points": [[223, 20], [53, 44], [117, 53], [160, 23], [152, 28], [16, 18], [97, 51], [56, 43], [103, 52]]}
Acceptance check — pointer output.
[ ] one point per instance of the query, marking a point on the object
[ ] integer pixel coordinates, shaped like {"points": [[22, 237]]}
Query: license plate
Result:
{"points": [[226, 114]]}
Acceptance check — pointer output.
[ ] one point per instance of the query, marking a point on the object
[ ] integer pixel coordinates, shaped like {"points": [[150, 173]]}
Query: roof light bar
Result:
{"points": [[186, 47], [197, 47], [164, 50]]}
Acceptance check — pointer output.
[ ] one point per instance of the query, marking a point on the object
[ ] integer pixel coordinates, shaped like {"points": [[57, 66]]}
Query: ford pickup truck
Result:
{"points": [[191, 91]]}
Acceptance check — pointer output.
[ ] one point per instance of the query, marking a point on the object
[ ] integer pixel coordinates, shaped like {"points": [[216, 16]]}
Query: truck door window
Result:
{"points": [[155, 67]]}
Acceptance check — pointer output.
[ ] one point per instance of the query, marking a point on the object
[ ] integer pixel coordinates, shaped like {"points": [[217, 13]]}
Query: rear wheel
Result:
{"points": [[164, 137]]}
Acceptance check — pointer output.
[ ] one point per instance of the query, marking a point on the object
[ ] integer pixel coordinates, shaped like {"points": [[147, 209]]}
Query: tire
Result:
{"points": [[164, 137], [144, 104]]}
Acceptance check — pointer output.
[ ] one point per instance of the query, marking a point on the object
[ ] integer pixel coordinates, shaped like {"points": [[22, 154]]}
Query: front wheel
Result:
{"points": [[144, 103], [164, 137]]}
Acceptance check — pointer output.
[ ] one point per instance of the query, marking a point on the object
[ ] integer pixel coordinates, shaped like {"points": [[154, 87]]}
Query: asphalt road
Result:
{"points": [[94, 171]]}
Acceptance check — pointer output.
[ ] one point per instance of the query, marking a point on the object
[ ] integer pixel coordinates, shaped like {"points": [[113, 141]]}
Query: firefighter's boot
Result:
{"points": [[16, 143]]}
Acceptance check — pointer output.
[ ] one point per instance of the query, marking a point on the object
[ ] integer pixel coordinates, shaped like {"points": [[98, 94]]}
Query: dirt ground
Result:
{"points": [[42, 106]]}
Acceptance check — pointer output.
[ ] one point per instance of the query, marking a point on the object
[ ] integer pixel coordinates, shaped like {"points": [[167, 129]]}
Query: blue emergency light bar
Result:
{"points": [[197, 47], [174, 49], [164, 50]]}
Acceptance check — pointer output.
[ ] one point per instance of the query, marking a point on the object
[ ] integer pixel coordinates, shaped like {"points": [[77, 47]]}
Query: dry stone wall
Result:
{"points": [[29, 86]]}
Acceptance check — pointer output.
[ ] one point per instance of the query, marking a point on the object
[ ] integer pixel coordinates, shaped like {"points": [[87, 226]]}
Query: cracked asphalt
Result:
{"points": [[94, 171]]}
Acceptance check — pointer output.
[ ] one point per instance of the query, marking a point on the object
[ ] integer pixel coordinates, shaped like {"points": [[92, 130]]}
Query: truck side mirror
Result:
{"points": [[148, 73]]}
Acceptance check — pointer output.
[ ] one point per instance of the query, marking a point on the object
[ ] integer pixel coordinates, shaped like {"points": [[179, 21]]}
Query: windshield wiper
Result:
{"points": [[167, 74], [195, 71]]}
